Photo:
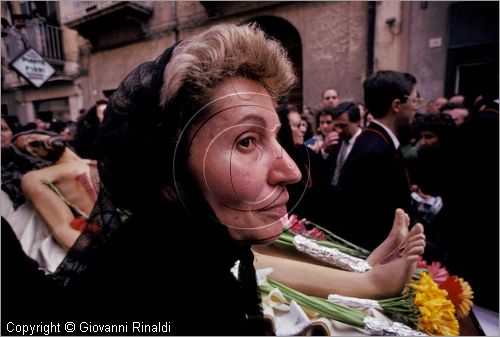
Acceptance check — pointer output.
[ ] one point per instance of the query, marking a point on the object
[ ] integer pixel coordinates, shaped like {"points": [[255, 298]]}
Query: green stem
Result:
{"points": [[287, 238], [59, 194], [330, 310], [338, 238]]}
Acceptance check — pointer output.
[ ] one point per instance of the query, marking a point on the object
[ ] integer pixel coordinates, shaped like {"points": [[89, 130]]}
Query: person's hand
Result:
{"points": [[316, 147], [416, 189], [331, 139]]}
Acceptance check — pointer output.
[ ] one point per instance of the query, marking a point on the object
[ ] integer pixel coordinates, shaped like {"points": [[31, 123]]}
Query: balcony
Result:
{"points": [[44, 38], [108, 24], [220, 9]]}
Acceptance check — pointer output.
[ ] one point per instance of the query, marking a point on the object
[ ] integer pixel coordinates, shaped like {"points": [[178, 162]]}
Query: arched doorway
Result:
{"points": [[286, 33]]}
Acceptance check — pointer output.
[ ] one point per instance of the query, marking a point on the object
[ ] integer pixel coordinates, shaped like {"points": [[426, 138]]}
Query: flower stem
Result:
{"points": [[330, 310]]}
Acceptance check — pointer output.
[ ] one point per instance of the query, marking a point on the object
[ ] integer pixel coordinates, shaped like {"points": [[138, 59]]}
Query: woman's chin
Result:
{"points": [[261, 235]]}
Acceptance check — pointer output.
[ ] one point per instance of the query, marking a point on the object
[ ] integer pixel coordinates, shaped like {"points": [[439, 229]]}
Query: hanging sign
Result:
{"points": [[33, 67]]}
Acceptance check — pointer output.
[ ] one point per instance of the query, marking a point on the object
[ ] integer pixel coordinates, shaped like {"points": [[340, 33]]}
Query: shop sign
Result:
{"points": [[33, 67]]}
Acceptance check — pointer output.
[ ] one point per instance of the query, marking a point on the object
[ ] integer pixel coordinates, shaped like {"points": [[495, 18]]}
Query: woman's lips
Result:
{"points": [[278, 208]]}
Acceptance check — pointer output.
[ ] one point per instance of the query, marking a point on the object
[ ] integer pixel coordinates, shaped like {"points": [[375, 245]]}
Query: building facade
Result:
{"points": [[332, 44]]}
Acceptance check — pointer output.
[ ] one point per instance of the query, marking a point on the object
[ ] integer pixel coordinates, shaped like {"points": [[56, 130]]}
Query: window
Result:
{"points": [[57, 109]]}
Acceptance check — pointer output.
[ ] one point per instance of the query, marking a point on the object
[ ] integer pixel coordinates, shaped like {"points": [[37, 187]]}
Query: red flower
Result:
{"points": [[459, 293], [79, 224]]}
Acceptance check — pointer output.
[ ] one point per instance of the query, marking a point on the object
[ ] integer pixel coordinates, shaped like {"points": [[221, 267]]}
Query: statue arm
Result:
{"points": [[53, 210]]}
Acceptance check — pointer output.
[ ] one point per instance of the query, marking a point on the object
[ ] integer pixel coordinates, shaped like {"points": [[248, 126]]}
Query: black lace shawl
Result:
{"points": [[147, 258]]}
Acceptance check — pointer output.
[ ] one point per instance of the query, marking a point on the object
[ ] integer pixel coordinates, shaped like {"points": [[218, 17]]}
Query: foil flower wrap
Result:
{"points": [[331, 256], [354, 302], [378, 327]]}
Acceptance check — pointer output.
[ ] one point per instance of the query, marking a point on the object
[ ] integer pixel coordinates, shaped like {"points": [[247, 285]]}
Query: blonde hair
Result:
{"points": [[201, 62]]}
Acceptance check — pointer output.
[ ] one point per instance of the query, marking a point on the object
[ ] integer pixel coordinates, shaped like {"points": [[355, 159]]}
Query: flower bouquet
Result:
{"points": [[337, 312], [431, 303]]}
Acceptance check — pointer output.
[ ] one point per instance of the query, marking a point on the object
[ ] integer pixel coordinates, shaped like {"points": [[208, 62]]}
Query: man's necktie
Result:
{"points": [[340, 162]]}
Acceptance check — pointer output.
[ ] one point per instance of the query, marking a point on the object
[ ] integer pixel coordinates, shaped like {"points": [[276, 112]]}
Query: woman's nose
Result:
{"points": [[283, 169]]}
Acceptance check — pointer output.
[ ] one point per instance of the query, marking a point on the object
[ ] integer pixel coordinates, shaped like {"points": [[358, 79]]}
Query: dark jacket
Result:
{"points": [[372, 184]]}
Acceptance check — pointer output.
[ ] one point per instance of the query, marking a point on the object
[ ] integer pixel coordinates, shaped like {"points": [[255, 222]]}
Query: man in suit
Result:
{"points": [[346, 119], [373, 181]]}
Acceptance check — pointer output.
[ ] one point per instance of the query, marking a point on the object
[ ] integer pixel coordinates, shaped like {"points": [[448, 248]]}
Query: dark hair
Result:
{"points": [[350, 108], [484, 103], [325, 111], [440, 124], [382, 88], [285, 133], [450, 106]]}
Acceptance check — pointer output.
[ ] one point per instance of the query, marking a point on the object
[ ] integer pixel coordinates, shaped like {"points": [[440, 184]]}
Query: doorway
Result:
{"points": [[285, 32]]}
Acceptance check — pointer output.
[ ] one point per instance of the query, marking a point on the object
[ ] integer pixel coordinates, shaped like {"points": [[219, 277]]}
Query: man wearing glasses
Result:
{"points": [[373, 181]]}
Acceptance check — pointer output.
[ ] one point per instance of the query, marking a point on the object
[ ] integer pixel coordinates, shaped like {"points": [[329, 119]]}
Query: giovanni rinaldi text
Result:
{"points": [[50, 328]]}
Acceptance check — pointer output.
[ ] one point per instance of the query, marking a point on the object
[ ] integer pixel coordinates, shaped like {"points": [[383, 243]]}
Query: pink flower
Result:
{"points": [[296, 226], [439, 274], [316, 233], [421, 263]]}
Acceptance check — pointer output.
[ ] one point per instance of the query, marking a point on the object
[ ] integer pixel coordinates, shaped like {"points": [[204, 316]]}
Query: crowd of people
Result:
{"points": [[439, 164], [150, 198]]}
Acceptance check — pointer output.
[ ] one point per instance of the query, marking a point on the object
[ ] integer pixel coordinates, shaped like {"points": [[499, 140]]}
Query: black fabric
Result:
{"points": [[308, 197], [372, 184], [27, 293], [472, 211]]}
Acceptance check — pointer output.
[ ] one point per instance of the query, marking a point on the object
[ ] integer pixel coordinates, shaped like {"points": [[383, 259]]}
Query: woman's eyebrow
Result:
{"points": [[253, 119], [259, 122]]}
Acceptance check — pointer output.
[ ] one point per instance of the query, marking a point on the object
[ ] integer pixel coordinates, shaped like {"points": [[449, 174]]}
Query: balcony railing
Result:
{"points": [[81, 9], [45, 39]]}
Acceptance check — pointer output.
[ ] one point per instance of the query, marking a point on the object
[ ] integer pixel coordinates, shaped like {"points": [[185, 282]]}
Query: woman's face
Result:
{"points": [[238, 163], [40, 145], [429, 140], [298, 127]]}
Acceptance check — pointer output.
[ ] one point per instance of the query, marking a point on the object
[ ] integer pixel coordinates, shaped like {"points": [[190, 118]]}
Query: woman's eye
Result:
{"points": [[246, 142]]}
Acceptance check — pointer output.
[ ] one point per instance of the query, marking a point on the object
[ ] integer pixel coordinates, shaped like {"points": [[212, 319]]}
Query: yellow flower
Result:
{"points": [[437, 314], [466, 296]]}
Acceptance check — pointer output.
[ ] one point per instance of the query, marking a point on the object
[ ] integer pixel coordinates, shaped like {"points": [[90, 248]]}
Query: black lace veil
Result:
{"points": [[138, 139]]}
